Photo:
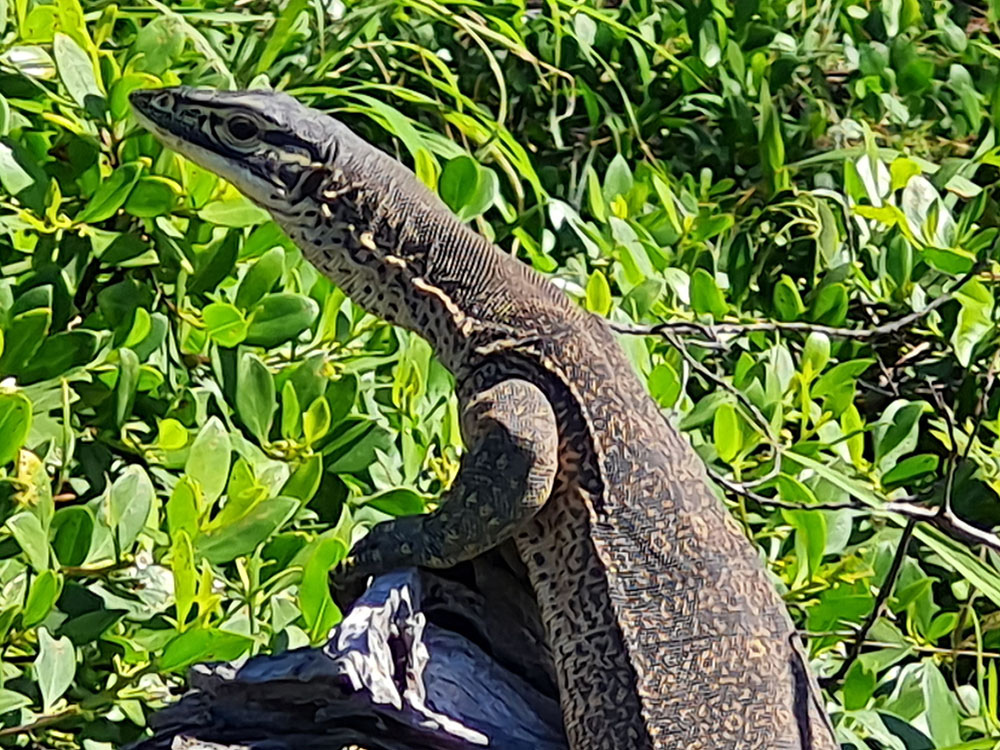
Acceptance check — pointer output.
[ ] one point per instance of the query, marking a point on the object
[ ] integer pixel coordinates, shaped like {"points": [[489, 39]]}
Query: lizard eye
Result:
{"points": [[241, 128]]}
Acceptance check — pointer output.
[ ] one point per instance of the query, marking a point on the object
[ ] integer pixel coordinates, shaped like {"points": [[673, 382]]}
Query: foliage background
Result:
{"points": [[193, 423]]}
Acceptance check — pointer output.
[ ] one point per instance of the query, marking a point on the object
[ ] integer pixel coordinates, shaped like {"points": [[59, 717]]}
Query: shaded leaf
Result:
{"points": [[55, 667]]}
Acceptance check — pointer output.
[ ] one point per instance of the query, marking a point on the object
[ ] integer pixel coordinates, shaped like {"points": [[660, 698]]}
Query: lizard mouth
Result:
{"points": [[187, 121]]}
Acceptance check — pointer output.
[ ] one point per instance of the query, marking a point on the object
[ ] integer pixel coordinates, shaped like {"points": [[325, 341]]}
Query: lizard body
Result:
{"points": [[663, 626]]}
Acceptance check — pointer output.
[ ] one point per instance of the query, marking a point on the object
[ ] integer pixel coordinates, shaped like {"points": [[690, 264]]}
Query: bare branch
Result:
{"points": [[881, 598], [941, 518], [712, 333], [40, 723]]}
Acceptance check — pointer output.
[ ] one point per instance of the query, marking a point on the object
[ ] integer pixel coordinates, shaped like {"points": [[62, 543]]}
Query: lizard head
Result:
{"points": [[356, 212], [268, 145]]}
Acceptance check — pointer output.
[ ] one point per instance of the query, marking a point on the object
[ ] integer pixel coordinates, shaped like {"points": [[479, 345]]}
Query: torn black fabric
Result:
{"points": [[419, 662]]}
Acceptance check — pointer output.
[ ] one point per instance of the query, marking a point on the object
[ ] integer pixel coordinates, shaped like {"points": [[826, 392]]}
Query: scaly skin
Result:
{"points": [[663, 626]]}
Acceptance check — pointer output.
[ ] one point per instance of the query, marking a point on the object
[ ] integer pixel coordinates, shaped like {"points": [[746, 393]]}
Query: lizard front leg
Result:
{"points": [[505, 477]]}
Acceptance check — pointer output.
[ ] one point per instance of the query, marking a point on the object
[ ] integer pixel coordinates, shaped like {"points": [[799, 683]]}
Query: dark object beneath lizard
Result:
{"points": [[405, 670]]}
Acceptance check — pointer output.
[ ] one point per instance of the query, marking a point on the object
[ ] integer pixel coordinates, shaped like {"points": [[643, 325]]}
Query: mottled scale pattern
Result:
{"points": [[664, 628], [663, 625]]}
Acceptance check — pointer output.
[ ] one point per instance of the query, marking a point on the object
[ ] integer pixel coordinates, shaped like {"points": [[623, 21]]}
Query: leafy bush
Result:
{"points": [[796, 199]]}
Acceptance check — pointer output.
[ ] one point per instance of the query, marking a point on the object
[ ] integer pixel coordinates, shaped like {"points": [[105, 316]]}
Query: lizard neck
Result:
{"points": [[401, 255]]}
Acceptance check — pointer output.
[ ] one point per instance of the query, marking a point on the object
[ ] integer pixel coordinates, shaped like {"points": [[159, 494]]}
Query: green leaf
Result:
{"points": [[23, 338], [125, 251], [305, 480], [234, 212], [215, 264], [45, 589], [772, 145], [152, 196], [585, 29], [34, 541], [11, 701], [279, 35], [118, 101], [901, 170], [15, 424], [261, 278], [425, 165], [316, 422], [829, 306], [278, 318], [128, 379], [185, 575], [77, 73], [859, 685], [787, 301], [792, 490], [12, 175], [255, 395], [956, 554], [910, 468], [839, 382], [941, 625], [225, 324], [962, 560], [208, 461], [244, 535], [291, 415], [920, 202], [73, 529], [840, 604], [942, 709], [816, 353], [954, 261], [465, 187], [706, 297], [598, 295], [60, 353], [318, 609], [111, 194], [200, 646], [726, 432], [895, 433], [71, 20], [171, 435], [184, 508], [828, 237], [398, 502], [141, 326], [618, 179], [975, 319], [129, 503], [664, 384], [595, 198], [55, 667], [158, 43], [810, 542]]}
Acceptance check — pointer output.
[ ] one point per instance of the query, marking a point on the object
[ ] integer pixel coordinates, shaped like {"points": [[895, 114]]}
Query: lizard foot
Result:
{"points": [[373, 555], [347, 584]]}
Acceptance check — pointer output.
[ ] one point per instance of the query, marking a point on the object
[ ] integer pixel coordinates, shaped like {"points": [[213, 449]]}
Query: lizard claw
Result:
{"points": [[374, 554], [347, 581]]}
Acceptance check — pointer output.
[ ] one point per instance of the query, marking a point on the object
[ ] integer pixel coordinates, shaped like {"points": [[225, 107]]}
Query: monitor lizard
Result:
{"points": [[663, 625]]}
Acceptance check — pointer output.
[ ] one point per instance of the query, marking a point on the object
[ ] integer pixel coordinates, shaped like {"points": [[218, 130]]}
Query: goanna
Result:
{"points": [[663, 626]]}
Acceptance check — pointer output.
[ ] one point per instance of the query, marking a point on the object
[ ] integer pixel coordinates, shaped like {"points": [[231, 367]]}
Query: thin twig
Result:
{"points": [[884, 591], [741, 488], [712, 332], [944, 521], [920, 647], [39, 723], [755, 414], [949, 423]]}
